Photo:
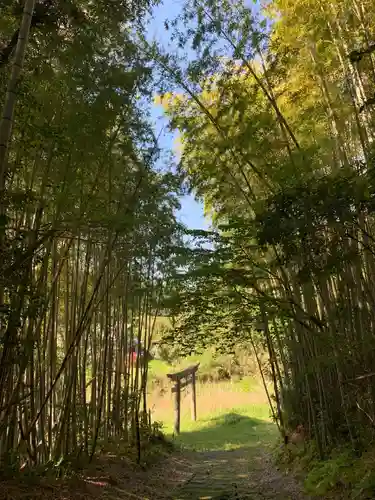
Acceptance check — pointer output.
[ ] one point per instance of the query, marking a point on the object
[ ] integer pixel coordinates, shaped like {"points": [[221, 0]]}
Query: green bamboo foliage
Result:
{"points": [[86, 236], [300, 249]]}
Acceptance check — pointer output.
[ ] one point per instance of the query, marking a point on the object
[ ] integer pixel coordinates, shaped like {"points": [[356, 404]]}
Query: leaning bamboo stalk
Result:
{"points": [[10, 98]]}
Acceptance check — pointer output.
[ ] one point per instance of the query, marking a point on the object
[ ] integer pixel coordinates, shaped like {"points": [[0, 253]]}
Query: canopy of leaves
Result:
{"points": [[87, 230], [277, 128]]}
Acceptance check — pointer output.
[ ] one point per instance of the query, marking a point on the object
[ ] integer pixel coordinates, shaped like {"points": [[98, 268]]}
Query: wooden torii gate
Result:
{"points": [[189, 374]]}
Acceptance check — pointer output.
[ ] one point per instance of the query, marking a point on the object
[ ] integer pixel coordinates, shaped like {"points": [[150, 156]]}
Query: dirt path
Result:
{"points": [[238, 474], [211, 475]]}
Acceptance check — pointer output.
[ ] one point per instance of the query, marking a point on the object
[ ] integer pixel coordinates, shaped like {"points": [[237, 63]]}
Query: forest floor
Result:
{"points": [[226, 454], [217, 475], [236, 474]]}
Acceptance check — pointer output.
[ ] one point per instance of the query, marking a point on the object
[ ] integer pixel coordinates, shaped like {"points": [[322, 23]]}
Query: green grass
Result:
{"points": [[158, 368], [247, 384], [230, 415], [343, 473], [228, 430]]}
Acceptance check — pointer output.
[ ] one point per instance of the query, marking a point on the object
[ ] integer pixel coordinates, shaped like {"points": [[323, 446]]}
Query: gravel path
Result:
{"points": [[238, 474], [244, 473]]}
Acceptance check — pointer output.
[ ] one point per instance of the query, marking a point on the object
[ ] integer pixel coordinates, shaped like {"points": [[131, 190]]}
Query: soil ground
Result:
{"points": [[236, 474], [218, 475]]}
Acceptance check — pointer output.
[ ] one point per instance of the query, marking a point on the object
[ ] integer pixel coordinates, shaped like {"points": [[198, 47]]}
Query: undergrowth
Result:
{"points": [[153, 443], [342, 475], [213, 367]]}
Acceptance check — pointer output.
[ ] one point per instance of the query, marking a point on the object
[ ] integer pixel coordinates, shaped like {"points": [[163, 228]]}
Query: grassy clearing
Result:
{"points": [[239, 428], [230, 415], [158, 369]]}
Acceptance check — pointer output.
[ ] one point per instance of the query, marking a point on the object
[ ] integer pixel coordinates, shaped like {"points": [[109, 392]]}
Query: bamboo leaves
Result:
{"points": [[300, 248], [85, 240]]}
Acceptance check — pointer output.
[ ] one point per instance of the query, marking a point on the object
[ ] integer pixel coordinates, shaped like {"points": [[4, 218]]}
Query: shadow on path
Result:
{"points": [[230, 461], [228, 432]]}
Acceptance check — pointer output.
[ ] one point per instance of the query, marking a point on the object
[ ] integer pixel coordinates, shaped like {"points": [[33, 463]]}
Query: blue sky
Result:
{"points": [[191, 212]]}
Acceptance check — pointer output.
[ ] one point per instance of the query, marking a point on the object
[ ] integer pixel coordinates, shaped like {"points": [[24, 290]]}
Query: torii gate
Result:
{"points": [[189, 374]]}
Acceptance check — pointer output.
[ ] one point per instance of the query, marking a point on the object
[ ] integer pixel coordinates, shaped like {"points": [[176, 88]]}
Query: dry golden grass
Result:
{"points": [[212, 398]]}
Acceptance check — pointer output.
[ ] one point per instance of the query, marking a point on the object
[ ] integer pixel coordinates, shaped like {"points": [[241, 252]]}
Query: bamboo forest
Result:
{"points": [[187, 187]]}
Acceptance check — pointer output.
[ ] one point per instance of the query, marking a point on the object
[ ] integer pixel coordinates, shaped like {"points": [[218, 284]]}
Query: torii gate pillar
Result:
{"points": [[189, 374]]}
